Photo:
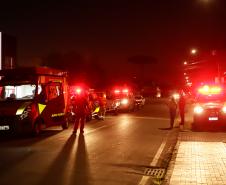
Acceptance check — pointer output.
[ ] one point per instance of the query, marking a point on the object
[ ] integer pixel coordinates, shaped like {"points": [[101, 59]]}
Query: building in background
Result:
{"points": [[8, 51]]}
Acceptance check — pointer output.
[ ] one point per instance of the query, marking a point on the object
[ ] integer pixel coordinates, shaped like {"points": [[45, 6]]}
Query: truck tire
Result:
{"points": [[37, 128]]}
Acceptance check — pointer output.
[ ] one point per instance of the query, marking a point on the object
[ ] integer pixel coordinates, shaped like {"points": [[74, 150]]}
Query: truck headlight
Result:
{"points": [[117, 104], [125, 101], [198, 110], [224, 109]]}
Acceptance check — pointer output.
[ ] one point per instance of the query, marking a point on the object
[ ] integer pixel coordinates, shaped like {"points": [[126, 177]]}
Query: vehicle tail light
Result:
{"points": [[125, 101], [198, 110]]}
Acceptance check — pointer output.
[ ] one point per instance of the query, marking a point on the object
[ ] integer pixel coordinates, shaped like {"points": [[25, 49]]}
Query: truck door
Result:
{"points": [[52, 109]]}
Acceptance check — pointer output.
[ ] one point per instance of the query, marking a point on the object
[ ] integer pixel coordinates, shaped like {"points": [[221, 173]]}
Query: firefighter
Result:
{"points": [[172, 110], [102, 104], [81, 107], [181, 105]]}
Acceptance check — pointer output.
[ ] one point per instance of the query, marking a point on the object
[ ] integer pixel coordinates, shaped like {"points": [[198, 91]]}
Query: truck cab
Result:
{"points": [[32, 99], [210, 107]]}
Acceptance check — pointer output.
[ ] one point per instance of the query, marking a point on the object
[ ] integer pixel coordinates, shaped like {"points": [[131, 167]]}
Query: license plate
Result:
{"points": [[4, 127], [213, 118]]}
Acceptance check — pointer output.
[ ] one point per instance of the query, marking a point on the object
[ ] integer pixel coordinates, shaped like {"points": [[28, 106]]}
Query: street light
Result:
{"points": [[193, 51], [185, 62]]}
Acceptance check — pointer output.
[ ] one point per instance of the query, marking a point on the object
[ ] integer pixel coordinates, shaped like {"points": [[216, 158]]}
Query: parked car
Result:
{"points": [[139, 101]]}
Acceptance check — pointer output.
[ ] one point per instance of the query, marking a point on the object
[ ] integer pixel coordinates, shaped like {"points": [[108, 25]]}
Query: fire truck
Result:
{"points": [[210, 107], [124, 99], [32, 99]]}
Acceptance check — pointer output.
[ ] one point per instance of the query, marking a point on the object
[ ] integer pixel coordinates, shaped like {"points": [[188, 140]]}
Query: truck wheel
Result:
{"points": [[37, 128]]}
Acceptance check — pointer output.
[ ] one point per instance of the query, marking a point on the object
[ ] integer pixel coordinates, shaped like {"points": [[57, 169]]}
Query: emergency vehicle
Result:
{"points": [[210, 107], [32, 99], [125, 99]]}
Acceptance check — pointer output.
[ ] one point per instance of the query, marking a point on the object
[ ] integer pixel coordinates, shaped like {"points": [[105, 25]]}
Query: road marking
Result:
{"points": [[154, 162], [136, 117], [96, 129], [142, 117], [145, 117]]}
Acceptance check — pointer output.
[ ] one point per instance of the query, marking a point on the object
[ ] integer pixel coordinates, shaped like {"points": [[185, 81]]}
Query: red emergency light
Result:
{"points": [[210, 90], [78, 90], [125, 90], [117, 91]]}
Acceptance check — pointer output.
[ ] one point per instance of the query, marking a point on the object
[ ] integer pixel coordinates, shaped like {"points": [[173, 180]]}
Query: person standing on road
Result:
{"points": [[81, 107], [102, 102], [181, 105], [172, 110]]}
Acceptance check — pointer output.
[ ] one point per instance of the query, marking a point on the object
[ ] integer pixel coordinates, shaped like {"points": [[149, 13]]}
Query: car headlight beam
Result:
{"points": [[224, 109], [198, 110]]}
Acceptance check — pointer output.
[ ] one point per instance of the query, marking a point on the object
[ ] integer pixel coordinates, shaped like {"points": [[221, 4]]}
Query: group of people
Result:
{"points": [[173, 110], [82, 107]]}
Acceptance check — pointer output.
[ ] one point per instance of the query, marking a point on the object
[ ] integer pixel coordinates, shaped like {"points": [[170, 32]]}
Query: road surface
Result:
{"points": [[115, 151]]}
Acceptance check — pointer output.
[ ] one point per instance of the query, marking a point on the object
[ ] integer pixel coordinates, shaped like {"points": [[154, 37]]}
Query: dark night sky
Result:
{"points": [[116, 30]]}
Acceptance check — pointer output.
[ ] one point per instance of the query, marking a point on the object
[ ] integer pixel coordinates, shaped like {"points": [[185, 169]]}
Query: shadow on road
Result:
{"points": [[55, 173], [26, 140], [80, 171]]}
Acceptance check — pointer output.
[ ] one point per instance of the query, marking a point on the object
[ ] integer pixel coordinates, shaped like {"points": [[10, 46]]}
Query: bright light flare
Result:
{"points": [[193, 51], [224, 109], [176, 96], [78, 91], [198, 110], [207, 90], [125, 90], [117, 91], [125, 101]]}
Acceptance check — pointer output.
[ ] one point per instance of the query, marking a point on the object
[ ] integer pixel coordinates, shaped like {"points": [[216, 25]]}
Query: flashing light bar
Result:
{"points": [[125, 90], [207, 90], [117, 91]]}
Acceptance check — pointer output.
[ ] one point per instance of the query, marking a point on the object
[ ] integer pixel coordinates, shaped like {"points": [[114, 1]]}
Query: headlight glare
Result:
{"points": [[198, 110], [224, 109]]}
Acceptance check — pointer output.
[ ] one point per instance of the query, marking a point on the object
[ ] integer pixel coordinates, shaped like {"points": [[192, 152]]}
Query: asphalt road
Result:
{"points": [[115, 151]]}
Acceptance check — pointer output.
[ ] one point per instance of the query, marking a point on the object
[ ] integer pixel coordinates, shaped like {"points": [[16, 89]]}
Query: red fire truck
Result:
{"points": [[210, 107], [32, 99]]}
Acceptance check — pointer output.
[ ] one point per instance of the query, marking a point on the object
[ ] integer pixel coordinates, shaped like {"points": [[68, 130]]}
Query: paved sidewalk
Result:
{"points": [[199, 158]]}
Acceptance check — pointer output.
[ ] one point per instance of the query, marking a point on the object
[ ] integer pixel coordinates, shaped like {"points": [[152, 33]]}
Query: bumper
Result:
{"points": [[13, 125], [213, 122]]}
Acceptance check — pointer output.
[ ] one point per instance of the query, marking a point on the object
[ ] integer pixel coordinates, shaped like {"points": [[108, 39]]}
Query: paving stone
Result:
{"points": [[199, 159]]}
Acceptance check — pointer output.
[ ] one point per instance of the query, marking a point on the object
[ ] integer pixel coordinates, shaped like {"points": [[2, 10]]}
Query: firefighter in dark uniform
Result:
{"points": [[81, 107], [172, 110], [102, 102], [181, 105]]}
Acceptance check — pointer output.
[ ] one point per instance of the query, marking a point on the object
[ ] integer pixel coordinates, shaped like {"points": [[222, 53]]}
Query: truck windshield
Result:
{"points": [[17, 92]]}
